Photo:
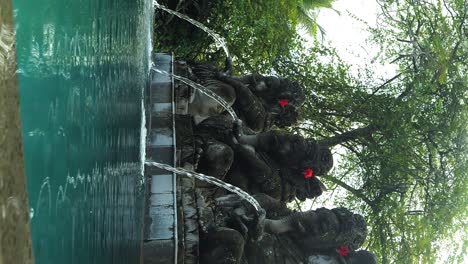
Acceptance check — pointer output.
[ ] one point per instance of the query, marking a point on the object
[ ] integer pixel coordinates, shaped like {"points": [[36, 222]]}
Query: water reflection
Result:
{"points": [[82, 66]]}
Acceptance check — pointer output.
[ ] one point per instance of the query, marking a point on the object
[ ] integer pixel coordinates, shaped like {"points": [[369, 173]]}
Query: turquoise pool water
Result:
{"points": [[82, 67]]}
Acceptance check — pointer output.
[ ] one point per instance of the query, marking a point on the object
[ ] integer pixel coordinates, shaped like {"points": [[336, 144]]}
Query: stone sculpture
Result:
{"points": [[260, 101], [279, 164], [233, 233]]}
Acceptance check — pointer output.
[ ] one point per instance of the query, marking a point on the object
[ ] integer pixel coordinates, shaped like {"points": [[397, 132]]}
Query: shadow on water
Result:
{"points": [[82, 66]]}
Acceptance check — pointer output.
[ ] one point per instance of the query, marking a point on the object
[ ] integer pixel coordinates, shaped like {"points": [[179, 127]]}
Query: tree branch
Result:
{"points": [[348, 136], [350, 189]]}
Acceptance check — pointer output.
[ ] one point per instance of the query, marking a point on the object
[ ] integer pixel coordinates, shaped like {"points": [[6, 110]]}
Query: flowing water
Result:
{"points": [[220, 42], [82, 65], [202, 89], [244, 195]]}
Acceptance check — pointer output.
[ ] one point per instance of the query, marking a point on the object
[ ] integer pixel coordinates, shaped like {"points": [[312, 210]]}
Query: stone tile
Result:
{"points": [[163, 58], [150, 171], [162, 227], [161, 200], [161, 154], [162, 183], [158, 77], [161, 120], [158, 252], [160, 137], [161, 92], [161, 108]]}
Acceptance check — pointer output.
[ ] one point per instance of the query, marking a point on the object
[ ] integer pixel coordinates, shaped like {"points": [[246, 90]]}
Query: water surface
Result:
{"points": [[82, 67]]}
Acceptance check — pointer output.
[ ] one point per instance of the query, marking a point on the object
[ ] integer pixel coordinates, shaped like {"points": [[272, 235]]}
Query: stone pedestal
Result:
{"points": [[160, 233]]}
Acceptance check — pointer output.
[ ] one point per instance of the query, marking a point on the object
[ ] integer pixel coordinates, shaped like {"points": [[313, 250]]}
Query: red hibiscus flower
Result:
{"points": [[343, 251], [308, 173], [283, 102]]}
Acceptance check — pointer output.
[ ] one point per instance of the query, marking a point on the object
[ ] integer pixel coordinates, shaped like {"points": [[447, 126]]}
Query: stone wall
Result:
{"points": [[15, 241]]}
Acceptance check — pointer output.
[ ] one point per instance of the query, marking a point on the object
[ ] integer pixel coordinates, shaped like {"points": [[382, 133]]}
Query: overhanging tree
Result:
{"points": [[406, 159], [405, 138], [257, 32]]}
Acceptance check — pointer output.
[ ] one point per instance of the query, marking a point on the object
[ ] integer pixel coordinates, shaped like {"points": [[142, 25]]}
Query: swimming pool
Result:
{"points": [[82, 66]]}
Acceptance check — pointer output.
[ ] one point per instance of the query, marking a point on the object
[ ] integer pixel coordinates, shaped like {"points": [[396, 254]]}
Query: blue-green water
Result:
{"points": [[82, 67]]}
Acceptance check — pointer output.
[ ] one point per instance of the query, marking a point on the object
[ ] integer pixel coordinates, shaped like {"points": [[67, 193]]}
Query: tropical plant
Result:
{"points": [[307, 11]]}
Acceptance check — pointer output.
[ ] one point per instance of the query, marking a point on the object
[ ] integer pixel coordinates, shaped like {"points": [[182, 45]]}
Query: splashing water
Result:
{"points": [[45, 183], [220, 42], [211, 180], [143, 133], [202, 89]]}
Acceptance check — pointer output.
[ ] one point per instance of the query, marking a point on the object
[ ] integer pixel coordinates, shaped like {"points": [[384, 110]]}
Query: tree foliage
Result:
{"points": [[404, 162], [257, 32], [406, 139], [307, 11]]}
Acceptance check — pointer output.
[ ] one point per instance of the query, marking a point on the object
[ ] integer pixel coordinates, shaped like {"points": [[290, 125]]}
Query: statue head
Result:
{"points": [[353, 228], [286, 116], [317, 157], [354, 257], [299, 160], [282, 97], [319, 161], [294, 151], [325, 229], [310, 189], [271, 89]]}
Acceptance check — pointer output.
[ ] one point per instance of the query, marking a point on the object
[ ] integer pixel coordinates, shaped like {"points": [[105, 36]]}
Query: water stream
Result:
{"points": [[82, 66], [220, 42], [209, 179], [202, 89], [201, 176]]}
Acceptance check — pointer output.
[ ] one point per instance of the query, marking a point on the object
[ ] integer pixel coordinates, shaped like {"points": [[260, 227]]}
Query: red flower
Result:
{"points": [[283, 102], [308, 173], [343, 251]]}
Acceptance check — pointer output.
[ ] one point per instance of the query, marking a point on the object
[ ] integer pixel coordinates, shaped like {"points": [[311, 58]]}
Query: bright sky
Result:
{"points": [[349, 36]]}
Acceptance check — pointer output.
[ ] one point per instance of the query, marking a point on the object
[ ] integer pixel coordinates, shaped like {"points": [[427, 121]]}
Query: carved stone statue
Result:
{"points": [[354, 257], [260, 101], [279, 164], [234, 234], [291, 150]]}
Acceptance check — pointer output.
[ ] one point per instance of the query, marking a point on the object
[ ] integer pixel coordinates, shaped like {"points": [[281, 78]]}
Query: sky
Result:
{"points": [[349, 36]]}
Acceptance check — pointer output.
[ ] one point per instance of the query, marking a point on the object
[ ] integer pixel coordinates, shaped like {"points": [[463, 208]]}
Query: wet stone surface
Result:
{"points": [[15, 242], [160, 211]]}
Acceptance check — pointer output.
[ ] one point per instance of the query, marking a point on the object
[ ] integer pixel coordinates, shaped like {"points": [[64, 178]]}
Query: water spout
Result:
{"points": [[202, 89], [220, 42], [244, 195]]}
